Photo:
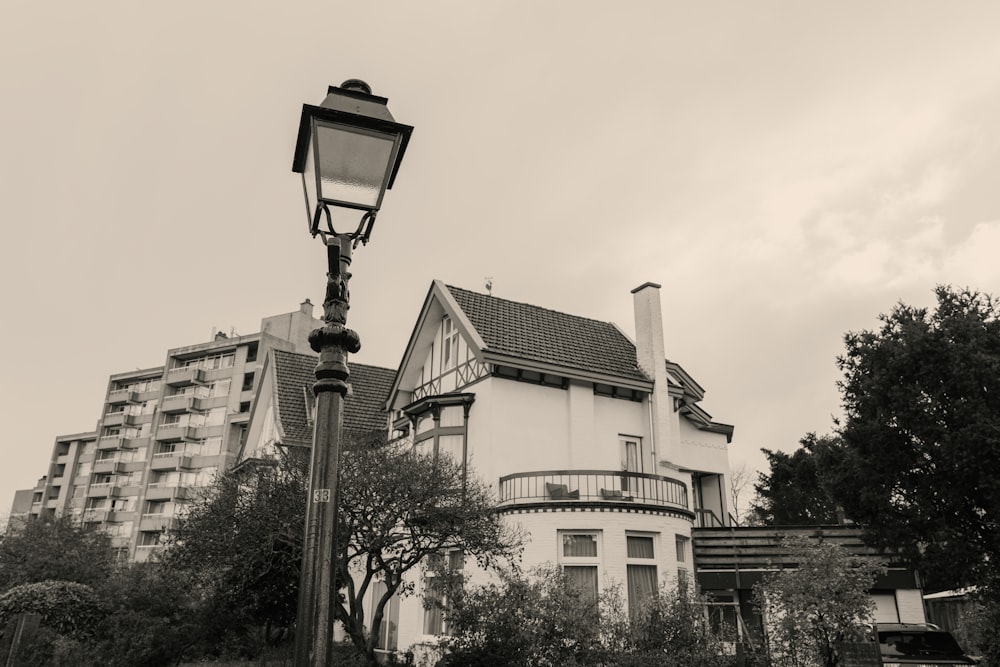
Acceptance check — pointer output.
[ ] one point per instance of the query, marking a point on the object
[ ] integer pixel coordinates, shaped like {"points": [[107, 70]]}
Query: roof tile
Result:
{"points": [[539, 334], [364, 408]]}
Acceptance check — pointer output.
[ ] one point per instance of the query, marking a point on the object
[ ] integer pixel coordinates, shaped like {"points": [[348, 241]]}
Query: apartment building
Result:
{"points": [[161, 435]]}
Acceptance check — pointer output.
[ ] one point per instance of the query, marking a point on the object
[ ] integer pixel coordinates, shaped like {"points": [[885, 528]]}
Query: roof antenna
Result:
{"points": [[489, 284]]}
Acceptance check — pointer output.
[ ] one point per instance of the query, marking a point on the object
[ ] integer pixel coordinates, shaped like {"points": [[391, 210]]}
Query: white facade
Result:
{"points": [[606, 465]]}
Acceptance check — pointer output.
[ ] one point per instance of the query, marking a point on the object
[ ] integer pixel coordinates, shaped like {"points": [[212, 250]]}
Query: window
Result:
{"points": [[123, 504], [635, 459], [579, 556], [641, 571], [149, 538], [434, 623], [221, 387], [155, 507], [683, 546], [388, 631], [449, 352], [247, 381]]}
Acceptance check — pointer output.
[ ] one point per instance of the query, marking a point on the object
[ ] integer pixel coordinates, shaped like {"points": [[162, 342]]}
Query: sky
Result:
{"points": [[785, 170]]}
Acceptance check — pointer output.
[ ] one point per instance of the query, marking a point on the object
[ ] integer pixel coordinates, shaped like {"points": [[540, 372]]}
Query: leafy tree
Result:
{"points": [[673, 630], [539, 619], [398, 509], [66, 607], [242, 542], [795, 492], [530, 620], [919, 464], [54, 549], [824, 600], [151, 620]]}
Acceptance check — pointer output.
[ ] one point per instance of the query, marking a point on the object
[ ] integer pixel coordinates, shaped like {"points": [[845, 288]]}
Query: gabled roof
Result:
{"points": [[364, 407], [524, 331]]}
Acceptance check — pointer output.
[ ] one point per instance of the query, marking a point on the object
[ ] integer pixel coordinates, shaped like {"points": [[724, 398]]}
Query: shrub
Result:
{"points": [[68, 608]]}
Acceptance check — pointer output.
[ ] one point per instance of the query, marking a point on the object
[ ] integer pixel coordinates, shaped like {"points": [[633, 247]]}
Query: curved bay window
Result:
{"points": [[438, 425]]}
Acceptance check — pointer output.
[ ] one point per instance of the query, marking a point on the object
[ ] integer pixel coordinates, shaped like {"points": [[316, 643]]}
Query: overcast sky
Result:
{"points": [[786, 170]]}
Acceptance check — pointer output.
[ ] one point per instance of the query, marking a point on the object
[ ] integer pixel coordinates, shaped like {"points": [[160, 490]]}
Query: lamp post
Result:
{"points": [[348, 151]]}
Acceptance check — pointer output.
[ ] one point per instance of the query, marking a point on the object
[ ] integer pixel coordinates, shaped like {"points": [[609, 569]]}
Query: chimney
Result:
{"points": [[306, 307], [652, 360]]}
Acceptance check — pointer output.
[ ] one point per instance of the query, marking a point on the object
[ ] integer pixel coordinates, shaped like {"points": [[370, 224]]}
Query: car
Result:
{"points": [[919, 645]]}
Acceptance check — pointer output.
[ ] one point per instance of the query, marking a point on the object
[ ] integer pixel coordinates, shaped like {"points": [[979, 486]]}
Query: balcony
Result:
{"points": [[96, 515], [182, 403], [103, 490], [119, 419], [107, 465], [157, 491], [168, 432], [153, 522], [185, 375], [123, 396], [111, 442], [170, 461], [592, 487]]}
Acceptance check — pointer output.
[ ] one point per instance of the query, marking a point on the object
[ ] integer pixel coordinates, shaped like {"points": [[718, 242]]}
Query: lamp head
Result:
{"points": [[348, 151]]}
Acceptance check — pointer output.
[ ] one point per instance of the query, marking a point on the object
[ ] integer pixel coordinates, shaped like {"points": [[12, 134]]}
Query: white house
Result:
{"points": [[597, 445]]}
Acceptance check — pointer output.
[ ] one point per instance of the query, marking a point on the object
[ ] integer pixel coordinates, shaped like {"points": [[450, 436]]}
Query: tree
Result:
{"points": [[398, 509], [243, 540], [528, 619], [823, 601], [739, 479], [240, 543], [919, 463], [540, 618], [795, 492], [55, 549]]}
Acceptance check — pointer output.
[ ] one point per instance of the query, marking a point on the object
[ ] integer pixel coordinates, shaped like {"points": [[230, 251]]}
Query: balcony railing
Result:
{"points": [[600, 486]]}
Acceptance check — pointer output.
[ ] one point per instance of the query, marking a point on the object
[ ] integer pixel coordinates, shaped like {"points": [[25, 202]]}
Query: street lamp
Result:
{"points": [[348, 152]]}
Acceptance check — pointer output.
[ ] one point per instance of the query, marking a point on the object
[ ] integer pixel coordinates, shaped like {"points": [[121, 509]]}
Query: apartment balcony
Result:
{"points": [[153, 522], [123, 396], [168, 432], [108, 465], [182, 403], [179, 377], [170, 461], [592, 488], [119, 419], [110, 442], [104, 490], [157, 491], [97, 516]]}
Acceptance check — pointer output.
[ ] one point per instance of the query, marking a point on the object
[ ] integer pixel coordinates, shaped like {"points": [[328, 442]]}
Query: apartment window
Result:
{"points": [[96, 504], [149, 538], [247, 381], [221, 387], [210, 447], [579, 556], [123, 504], [155, 507], [641, 571], [252, 352]]}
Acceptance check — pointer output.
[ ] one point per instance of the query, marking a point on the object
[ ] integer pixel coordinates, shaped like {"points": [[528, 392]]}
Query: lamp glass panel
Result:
{"points": [[353, 164], [309, 185]]}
